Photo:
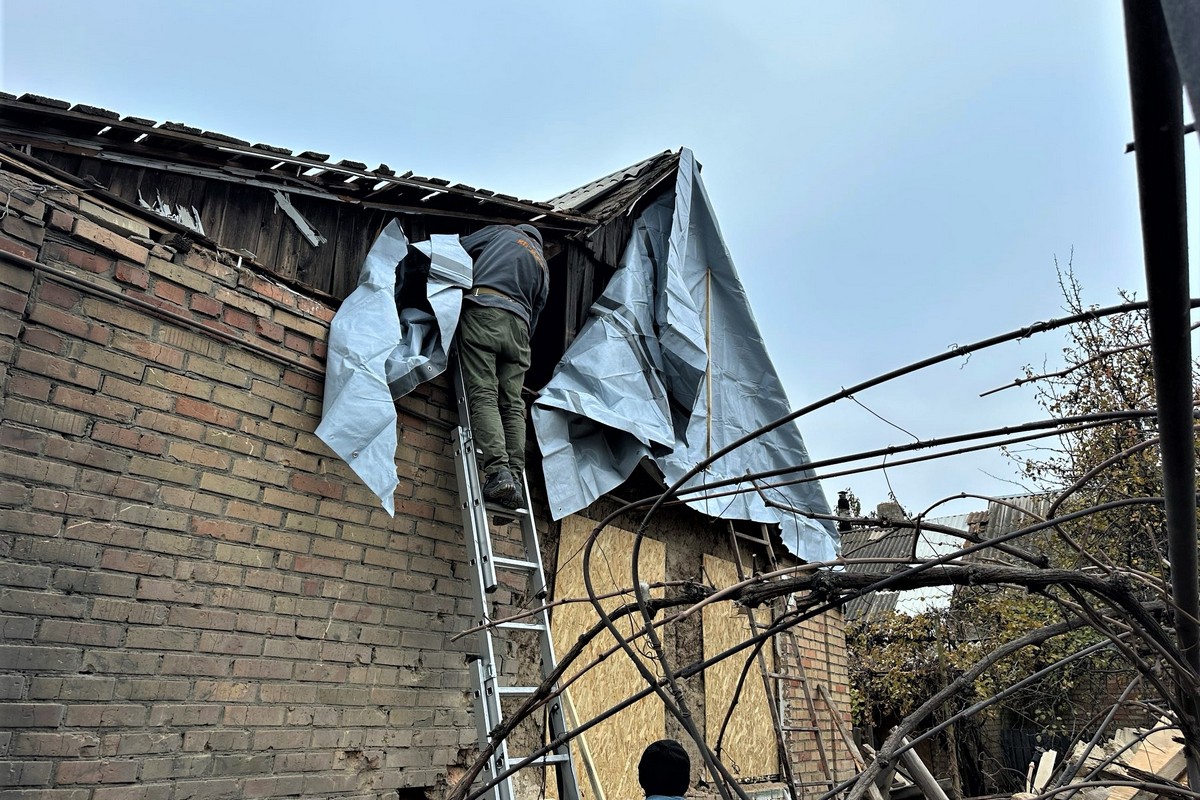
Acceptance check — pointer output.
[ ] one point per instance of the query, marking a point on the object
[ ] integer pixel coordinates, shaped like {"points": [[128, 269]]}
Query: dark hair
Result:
{"points": [[665, 769]]}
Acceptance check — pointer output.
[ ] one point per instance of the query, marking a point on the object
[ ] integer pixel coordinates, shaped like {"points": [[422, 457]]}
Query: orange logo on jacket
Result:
{"points": [[533, 251]]}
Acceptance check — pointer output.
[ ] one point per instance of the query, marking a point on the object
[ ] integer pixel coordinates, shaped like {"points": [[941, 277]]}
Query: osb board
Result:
{"points": [[616, 744], [749, 744]]}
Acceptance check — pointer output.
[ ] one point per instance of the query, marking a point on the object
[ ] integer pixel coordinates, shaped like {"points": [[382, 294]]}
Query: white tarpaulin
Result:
{"points": [[378, 353], [671, 367]]}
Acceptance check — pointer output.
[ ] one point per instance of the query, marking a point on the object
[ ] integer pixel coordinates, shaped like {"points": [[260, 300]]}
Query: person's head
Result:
{"points": [[665, 769], [529, 230]]}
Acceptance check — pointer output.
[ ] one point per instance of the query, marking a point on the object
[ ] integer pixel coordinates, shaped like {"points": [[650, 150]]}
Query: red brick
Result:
{"points": [[296, 342], [269, 330], [206, 412], [169, 292], [44, 340], [58, 295], [222, 529], [296, 380], [23, 228], [61, 220], [203, 304], [238, 319], [110, 241], [12, 301], [63, 253], [10, 245], [69, 323], [134, 276], [129, 438], [29, 386], [310, 484]]}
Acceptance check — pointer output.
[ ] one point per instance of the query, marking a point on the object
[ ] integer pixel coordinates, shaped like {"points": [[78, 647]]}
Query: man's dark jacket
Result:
{"points": [[509, 260]]}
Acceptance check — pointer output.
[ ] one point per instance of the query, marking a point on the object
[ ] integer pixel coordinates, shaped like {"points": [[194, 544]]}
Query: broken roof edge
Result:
{"points": [[620, 192], [30, 167], [30, 106]]}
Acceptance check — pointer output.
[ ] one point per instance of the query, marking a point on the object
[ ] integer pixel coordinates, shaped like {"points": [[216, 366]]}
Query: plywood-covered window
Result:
{"points": [[606, 756], [748, 746]]}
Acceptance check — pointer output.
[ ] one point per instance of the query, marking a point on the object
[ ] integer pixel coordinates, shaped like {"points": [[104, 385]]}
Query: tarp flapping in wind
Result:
{"points": [[378, 353], [671, 367]]}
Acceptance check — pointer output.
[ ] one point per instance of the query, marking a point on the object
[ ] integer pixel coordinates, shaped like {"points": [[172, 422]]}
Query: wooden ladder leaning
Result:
{"points": [[775, 681]]}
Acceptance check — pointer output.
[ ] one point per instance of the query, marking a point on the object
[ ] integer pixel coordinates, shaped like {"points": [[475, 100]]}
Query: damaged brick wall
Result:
{"points": [[197, 598]]}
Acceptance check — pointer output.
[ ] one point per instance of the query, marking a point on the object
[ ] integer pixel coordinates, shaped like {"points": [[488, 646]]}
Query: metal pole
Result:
{"points": [[1157, 100]]}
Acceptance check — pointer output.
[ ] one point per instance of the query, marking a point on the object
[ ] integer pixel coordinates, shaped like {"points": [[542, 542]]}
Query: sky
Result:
{"points": [[891, 178]]}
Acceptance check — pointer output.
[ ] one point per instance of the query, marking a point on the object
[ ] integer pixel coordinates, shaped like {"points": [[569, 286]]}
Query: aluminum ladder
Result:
{"points": [[489, 689]]}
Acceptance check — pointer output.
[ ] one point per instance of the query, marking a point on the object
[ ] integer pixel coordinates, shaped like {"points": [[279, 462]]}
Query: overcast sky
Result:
{"points": [[891, 178]]}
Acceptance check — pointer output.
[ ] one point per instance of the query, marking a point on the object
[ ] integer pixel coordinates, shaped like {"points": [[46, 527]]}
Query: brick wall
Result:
{"points": [[197, 598], [817, 650]]}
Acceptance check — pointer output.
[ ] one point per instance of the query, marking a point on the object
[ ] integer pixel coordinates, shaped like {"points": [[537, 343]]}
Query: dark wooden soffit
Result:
{"points": [[170, 146]]}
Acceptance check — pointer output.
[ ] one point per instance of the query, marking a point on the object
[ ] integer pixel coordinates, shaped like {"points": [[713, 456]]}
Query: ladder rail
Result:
{"points": [[489, 687], [785, 761], [782, 712]]}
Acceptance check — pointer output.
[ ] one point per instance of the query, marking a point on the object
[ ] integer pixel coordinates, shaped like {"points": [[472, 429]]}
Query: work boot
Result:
{"points": [[518, 495], [500, 488]]}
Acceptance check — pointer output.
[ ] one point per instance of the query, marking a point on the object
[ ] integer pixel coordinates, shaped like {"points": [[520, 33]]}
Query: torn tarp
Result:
{"points": [[378, 354], [427, 330], [671, 367]]}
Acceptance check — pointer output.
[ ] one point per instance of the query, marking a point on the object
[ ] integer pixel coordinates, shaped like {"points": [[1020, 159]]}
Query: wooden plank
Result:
{"points": [[921, 775], [615, 744], [1157, 754]]}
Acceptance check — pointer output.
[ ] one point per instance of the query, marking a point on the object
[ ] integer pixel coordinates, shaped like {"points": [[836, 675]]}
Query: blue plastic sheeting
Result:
{"points": [[378, 353], [671, 367]]}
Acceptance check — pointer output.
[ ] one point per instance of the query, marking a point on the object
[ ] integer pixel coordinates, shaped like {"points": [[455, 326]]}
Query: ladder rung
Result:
{"points": [[505, 511], [516, 690], [783, 676], [514, 563], [810, 729], [544, 761], [522, 626]]}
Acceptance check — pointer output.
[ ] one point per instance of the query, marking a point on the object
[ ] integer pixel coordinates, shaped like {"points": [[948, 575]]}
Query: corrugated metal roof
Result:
{"points": [[901, 543], [1002, 519], [997, 520]]}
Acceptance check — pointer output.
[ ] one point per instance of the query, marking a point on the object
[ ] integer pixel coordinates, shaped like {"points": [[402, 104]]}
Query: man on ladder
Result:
{"points": [[509, 289]]}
